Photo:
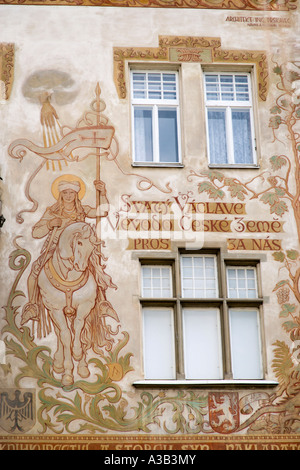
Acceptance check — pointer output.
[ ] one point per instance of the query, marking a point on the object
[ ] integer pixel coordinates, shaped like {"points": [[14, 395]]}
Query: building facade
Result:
{"points": [[150, 257]]}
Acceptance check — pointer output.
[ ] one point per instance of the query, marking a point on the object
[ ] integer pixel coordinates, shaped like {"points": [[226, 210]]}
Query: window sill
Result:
{"points": [[157, 165], [205, 383], [234, 165]]}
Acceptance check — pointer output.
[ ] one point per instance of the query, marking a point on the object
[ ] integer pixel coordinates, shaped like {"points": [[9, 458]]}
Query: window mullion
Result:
{"points": [[229, 135], [226, 345], [155, 134], [180, 373]]}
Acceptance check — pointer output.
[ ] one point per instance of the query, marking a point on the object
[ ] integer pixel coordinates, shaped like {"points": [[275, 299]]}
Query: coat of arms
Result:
{"points": [[17, 410], [223, 411]]}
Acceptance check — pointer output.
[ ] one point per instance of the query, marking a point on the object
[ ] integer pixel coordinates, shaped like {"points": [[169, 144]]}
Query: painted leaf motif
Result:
{"points": [[270, 198], [289, 325], [275, 110], [279, 256], [277, 70], [287, 309], [292, 254], [214, 174], [277, 162], [280, 283], [275, 122], [280, 192], [237, 190], [213, 192], [279, 208], [282, 364]]}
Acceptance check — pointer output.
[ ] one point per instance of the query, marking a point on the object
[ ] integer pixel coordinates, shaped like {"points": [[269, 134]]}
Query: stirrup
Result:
{"points": [[30, 312]]}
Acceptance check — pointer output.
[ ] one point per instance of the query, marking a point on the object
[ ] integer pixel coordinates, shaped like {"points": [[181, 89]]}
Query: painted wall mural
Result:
{"points": [[189, 49], [7, 53], [267, 5], [77, 388]]}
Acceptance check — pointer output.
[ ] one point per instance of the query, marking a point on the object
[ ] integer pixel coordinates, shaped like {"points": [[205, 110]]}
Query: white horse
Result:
{"points": [[72, 287]]}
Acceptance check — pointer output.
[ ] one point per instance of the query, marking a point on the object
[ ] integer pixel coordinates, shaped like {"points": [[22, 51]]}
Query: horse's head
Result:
{"points": [[76, 244]]}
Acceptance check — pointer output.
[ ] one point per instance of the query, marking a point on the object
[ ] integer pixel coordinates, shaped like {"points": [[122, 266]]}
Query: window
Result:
{"points": [[155, 117], [205, 327], [229, 119]]}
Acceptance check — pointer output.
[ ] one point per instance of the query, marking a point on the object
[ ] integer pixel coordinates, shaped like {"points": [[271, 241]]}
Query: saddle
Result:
{"points": [[67, 287]]}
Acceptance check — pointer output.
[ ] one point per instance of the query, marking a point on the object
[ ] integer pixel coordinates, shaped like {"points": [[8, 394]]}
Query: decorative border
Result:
{"points": [[257, 5], [178, 49], [153, 442], [7, 53]]}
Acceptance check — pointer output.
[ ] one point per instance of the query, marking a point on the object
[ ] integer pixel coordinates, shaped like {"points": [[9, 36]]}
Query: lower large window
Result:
{"points": [[201, 318]]}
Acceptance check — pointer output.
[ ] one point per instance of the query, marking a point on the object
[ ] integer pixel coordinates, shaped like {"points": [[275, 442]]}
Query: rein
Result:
{"points": [[67, 287]]}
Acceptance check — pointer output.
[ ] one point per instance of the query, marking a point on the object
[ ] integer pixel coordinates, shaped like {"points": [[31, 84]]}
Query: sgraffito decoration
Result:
{"points": [[79, 386], [178, 49], [7, 52], [267, 5], [275, 189], [66, 297], [279, 190]]}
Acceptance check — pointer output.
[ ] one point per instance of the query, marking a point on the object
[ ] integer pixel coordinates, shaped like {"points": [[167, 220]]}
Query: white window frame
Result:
{"points": [[160, 267], [228, 106], [155, 105], [169, 345], [240, 268], [222, 372], [194, 288], [216, 369], [235, 357]]}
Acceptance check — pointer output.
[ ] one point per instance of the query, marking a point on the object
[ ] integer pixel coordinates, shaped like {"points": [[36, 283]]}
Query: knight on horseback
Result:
{"points": [[67, 210]]}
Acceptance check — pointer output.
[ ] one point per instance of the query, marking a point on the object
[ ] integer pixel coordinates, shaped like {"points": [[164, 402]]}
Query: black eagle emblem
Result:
{"points": [[15, 411]]}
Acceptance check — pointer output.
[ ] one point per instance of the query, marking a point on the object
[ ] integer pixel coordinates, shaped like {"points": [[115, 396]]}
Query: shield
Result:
{"points": [[224, 414], [17, 410]]}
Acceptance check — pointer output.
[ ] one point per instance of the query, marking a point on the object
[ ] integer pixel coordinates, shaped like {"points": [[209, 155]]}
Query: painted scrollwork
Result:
{"points": [[7, 52], [205, 50]]}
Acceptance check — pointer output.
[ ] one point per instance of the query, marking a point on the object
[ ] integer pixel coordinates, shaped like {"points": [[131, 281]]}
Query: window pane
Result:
{"points": [[242, 88], [143, 138], [199, 277], [154, 86], [156, 282], [227, 87], [245, 344], [139, 85], [217, 136], [242, 138], [168, 139], [212, 87], [159, 357], [202, 345], [241, 283], [169, 86], [227, 90]]}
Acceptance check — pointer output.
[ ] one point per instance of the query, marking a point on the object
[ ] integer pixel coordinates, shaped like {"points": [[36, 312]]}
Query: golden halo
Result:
{"points": [[54, 187]]}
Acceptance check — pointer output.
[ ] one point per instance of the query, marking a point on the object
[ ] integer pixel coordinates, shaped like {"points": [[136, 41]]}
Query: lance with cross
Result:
{"points": [[91, 132], [104, 143]]}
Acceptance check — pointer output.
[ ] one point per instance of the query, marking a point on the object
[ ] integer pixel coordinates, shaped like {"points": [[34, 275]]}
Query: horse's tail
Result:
{"points": [[97, 334]]}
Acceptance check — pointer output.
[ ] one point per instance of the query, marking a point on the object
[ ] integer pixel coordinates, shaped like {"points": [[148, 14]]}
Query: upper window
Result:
{"points": [[155, 117], [229, 118]]}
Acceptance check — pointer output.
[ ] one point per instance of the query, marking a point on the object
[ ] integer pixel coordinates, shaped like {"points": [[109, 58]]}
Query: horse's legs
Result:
{"points": [[78, 325], [83, 369], [58, 362], [82, 312], [62, 328]]}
